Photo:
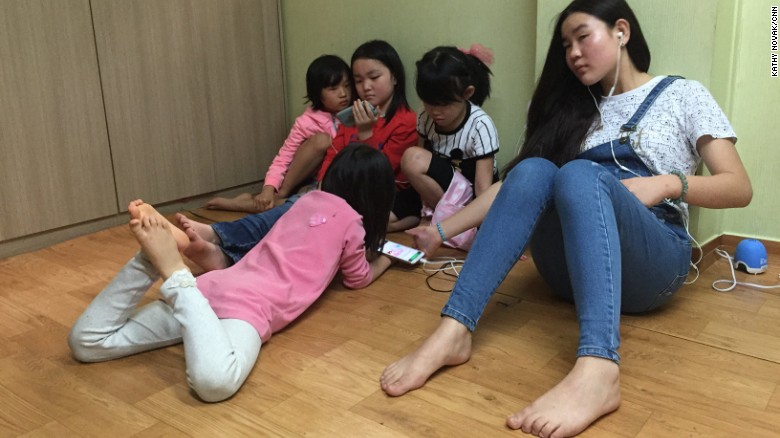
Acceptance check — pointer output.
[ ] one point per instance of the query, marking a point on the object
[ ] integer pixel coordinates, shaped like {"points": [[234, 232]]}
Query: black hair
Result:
{"points": [[562, 110], [444, 73], [325, 71], [363, 177], [383, 52]]}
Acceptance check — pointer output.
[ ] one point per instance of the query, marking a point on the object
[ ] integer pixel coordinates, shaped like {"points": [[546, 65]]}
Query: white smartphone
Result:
{"points": [[403, 253], [348, 119]]}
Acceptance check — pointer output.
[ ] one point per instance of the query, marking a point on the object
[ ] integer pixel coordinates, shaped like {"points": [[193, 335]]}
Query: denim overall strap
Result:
{"points": [[630, 126], [620, 159]]}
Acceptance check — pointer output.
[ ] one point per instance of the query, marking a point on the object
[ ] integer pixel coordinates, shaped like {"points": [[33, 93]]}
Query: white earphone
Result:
{"points": [[611, 90]]}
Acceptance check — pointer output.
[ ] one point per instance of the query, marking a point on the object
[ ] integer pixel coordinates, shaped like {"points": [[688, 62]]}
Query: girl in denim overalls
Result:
{"points": [[599, 190]]}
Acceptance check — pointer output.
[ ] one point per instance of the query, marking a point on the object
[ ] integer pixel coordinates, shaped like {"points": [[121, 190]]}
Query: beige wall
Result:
{"points": [[724, 44], [680, 34], [755, 113]]}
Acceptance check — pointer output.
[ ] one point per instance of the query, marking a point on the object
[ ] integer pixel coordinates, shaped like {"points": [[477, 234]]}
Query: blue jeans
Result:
{"points": [[586, 230], [240, 236]]}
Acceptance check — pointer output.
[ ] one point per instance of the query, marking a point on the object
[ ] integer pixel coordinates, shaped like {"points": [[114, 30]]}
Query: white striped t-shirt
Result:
{"points": [[475, 138]]}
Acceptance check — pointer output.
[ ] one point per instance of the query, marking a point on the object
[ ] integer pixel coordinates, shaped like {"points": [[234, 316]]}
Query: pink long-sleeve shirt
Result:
{"points": [[306, 125], [290, 268]]}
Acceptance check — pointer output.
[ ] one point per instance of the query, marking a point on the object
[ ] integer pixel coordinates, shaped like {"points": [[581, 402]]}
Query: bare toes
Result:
{"points": [[191, 234], [134, 208]]}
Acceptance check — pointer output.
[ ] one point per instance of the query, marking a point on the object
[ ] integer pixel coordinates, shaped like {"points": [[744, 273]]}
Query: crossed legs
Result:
{"points": [[203, 244], [219, 353], [195, 240]]}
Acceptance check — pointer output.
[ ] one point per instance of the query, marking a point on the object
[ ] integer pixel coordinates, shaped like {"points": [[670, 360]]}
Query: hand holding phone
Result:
{"points": [[403, 253], [347, 117], [426, 238]]}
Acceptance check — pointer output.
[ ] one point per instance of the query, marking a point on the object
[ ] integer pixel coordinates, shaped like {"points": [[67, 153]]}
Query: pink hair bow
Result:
{"points": [[480, 52]]}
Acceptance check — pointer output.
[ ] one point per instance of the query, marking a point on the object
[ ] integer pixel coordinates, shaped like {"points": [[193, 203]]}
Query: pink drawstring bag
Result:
{"points": [[458, 194]]}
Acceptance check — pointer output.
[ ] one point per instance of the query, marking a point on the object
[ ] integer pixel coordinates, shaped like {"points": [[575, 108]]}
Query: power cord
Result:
{"points": [[733, 280], [449, 266]]}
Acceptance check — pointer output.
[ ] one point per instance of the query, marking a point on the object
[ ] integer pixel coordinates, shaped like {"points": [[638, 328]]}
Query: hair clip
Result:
{"points": [[480, 52]]}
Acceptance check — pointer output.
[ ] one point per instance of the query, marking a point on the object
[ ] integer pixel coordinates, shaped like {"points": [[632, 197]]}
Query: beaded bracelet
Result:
{"points": [[441, 232], [684, 182]]}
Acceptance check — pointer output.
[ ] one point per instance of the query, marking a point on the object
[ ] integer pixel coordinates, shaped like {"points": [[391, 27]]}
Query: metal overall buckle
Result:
{"points": [[625, 135]]}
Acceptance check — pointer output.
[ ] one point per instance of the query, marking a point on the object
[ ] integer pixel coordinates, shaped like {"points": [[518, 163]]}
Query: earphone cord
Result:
{"points": [[733, 280], [614, 83], [696, 245], [617, 69], [601, 115], [694, 265]]}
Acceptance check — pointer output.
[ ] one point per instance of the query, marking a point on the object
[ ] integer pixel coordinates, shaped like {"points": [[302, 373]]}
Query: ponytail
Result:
{"points": [[445, 72], [480, 58]]}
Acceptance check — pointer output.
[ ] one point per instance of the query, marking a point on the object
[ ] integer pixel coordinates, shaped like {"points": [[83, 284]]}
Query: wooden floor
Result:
{"points": [[706, 365]]}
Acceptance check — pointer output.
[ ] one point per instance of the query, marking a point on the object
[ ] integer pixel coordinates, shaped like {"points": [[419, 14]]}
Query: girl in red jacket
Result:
{"points": [[379, 78]]}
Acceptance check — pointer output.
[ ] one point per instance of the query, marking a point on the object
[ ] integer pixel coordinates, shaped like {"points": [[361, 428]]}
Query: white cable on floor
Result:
{"points": [[448, 265], [733, 280]]}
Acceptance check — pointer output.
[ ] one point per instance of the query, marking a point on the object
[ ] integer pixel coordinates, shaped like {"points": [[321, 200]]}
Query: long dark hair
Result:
{"points": [[363, 177], [325, 71], [562, 110], [444, 73], [383, 52]]}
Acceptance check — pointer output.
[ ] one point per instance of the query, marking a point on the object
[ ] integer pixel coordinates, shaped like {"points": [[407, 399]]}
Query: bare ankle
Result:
{"points": [[455, 327], [167, 271]]}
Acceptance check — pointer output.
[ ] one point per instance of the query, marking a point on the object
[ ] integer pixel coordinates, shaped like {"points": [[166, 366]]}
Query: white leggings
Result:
{"points": [[219, 353]]}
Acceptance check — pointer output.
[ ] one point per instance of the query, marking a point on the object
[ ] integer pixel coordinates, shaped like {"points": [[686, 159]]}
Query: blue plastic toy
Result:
{"points": [[751, 256]]}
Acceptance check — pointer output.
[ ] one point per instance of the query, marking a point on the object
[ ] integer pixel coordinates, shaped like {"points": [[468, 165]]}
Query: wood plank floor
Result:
{"points": [[706, 365]]}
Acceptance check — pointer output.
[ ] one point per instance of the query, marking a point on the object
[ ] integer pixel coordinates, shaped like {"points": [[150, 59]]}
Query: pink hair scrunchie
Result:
{"points": [[480, 52]]}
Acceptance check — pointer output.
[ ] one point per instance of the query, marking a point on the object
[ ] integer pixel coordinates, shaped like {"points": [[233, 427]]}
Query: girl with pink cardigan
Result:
{"points": [[224, 316], [329, 89]]}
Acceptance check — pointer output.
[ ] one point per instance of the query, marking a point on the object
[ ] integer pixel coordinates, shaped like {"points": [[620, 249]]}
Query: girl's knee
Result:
{"points": [[575, 176], [77, 347], [577, 171], [82, 349], [533, 168], [319, 142], [536, 174], [212, 387], [415, 160]]}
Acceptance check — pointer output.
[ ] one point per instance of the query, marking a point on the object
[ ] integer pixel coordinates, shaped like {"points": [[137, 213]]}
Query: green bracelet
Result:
{"points": [[684, 182], [441, 232]]}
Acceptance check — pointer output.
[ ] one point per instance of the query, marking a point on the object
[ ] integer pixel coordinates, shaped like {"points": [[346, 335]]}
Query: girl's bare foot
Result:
{"points": [[589, 391], [244, 202], [449, 345], [203, 230], [205, 254], [138, 209], [158, 244]]}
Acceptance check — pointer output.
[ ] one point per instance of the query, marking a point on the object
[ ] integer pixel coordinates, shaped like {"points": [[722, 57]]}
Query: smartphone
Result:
{"points": [[348, 119], [403, 253]]}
